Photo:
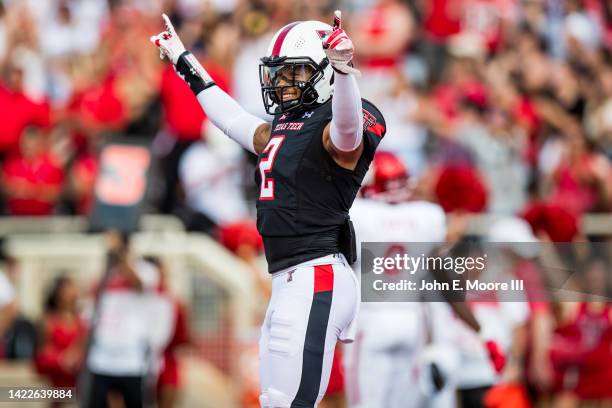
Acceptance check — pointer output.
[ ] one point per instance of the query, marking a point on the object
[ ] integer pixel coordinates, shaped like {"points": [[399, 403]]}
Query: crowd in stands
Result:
{"points": [[506, 102]]}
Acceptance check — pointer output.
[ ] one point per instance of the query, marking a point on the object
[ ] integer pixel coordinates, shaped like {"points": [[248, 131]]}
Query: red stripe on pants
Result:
{"points": [[324, 278]]}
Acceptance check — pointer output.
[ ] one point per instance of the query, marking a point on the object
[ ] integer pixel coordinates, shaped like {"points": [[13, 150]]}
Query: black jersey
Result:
{"points": [[305, 196]]}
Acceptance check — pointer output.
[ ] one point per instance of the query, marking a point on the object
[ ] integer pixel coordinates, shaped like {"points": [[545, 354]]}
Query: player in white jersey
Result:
{"points": [[386, 367]]}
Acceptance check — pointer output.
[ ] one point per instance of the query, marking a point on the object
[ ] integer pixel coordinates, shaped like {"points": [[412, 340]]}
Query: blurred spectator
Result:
{"points": [[127, 303], [71, 27], [24, 111], [580, 351], [551, 222], [62, 343], [32, 179], [170, 377], [441, 20], [19, 334], [459, 188], [83, 177], [502, 315], [405, 137], [385, 31], [211, 176], [497, 146], [581, 182]]}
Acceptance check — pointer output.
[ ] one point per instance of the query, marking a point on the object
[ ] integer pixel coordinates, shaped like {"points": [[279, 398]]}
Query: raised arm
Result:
{"points": [[222, 110], [344, 134]]}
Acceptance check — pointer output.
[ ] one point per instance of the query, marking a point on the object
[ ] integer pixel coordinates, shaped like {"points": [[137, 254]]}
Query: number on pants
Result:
{"points": [[266, 190]]}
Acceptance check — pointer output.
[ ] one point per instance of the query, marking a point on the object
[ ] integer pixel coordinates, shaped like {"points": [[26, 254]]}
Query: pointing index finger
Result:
{"points": [[337, 19], [169, 26]]}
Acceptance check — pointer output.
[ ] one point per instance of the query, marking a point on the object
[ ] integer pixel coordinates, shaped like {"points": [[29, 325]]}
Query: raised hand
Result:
{"points": [[339, 47], [168, 42]]}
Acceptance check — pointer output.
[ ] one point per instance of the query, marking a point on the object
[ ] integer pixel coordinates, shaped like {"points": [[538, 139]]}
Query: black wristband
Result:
{"points": [[339, 72], [190, 74]]}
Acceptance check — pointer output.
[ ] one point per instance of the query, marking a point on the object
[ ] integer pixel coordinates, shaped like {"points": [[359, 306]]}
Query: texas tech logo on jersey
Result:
{"points": [[370, 123], [288, 126]]}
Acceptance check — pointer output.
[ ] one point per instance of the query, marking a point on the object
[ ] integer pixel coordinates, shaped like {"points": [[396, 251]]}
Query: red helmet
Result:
{"points": [[387, 174]]}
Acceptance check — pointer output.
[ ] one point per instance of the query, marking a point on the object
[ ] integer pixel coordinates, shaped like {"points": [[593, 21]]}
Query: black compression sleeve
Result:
{"points": [[192, 72]]}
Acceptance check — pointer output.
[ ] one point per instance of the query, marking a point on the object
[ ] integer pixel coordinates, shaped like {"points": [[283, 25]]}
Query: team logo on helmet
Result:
{"points": [[322, 33]]}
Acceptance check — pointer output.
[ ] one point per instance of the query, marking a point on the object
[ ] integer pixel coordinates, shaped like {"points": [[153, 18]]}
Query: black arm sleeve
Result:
{"points": [[192, 72]]}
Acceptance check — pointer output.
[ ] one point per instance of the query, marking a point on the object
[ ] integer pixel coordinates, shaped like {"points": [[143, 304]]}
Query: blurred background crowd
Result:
{"points": [[500, 107]]}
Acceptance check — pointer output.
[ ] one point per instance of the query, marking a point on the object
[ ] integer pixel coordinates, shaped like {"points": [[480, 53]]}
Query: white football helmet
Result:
{"points": [[295, 59]]}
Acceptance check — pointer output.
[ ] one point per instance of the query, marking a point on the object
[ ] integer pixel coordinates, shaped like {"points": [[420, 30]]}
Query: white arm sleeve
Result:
{"points": [[346, 130], [225, 113]]}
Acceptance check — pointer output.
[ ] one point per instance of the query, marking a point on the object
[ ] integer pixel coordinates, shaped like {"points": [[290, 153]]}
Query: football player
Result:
{"points": [[383, 367], [311, 161], [404, 354]]}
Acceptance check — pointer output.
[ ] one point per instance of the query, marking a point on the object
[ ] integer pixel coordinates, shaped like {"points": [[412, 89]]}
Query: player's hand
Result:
{"points": [[496, 355], [339, 48], [437, 377], [168, 42]]}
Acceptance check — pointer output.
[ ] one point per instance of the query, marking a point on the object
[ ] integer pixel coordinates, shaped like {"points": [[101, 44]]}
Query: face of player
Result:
{"points": [[285, 77]]}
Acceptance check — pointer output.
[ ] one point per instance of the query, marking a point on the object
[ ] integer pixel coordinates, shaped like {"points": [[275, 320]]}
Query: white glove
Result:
{"points": [[185, 63], [339, 48], [168, 42]]}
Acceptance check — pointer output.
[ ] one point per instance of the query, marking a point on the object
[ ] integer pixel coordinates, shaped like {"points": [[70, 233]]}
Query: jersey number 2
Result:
{"points": [[266, 190]]}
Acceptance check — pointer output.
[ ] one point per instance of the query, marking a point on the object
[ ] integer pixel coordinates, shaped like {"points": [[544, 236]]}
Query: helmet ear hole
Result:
{"points": [[310, 95]]}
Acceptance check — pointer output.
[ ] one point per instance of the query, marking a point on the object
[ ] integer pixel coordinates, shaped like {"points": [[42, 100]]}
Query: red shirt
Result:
{"points": [[84, 172], [573, 190], [170, 374], [99, 106], [449, 95], [60, 337], [377, 29], [184, 115], [19, 111], [96, 108], [442, 19], [584, 346], [30, 177]]}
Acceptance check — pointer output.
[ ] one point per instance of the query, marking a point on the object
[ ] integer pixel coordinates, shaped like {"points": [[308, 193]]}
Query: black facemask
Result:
{"points": [[283, 76]]}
